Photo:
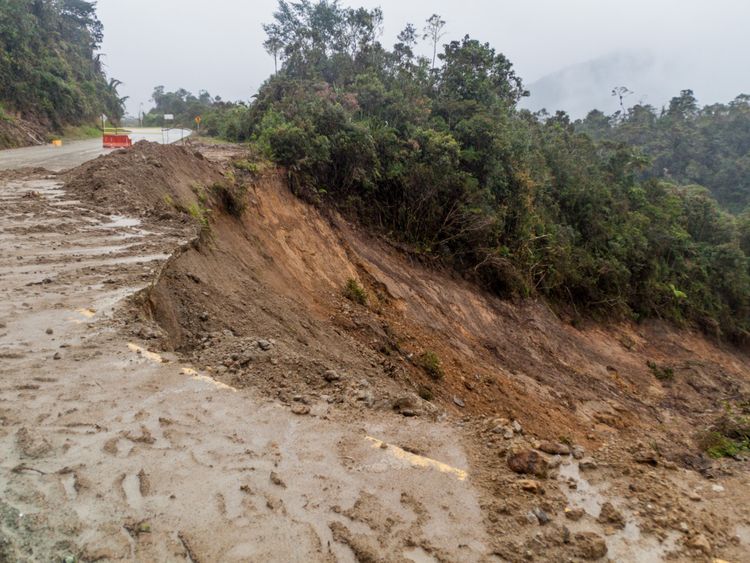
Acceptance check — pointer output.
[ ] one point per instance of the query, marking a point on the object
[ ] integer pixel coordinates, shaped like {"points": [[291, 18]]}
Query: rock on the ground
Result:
{"points": [[332, 376], [610, 515], [589, 546], [407, 405], [574, 514], [699, 542], [300, 409], [528, 462], [554, 448]]}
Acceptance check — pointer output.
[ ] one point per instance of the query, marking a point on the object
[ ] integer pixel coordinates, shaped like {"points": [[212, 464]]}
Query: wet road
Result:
{"points": [[75, 153]]}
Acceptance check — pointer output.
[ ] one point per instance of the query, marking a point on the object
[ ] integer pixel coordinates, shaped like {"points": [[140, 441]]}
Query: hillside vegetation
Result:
{"points": [[49, 72], [435, 154], [685, 143]]}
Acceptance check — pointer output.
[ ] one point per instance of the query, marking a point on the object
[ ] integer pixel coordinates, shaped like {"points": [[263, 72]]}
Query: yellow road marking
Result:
{"points": [[417, 460], [153, 356], [198, 377], [157, 359]]}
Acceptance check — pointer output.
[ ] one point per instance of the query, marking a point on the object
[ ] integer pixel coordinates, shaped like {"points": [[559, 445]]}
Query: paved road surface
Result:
{"points": [[74, 153]]}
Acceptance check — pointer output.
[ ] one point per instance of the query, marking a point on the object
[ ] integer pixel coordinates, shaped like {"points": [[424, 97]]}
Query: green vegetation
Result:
{"points": [[200, 213], [430, 362], [435, 153], [355, 292], [730, 435], [685, 143], [49, 73], [232, 197], [662, 373]]}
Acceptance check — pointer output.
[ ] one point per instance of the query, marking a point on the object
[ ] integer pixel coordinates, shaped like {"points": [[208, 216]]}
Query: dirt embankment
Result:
{"points": [[16, 132], [258, 301]]}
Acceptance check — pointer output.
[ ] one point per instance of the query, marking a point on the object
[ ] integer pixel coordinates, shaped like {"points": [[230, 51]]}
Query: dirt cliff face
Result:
{"points": [[259, 301]]}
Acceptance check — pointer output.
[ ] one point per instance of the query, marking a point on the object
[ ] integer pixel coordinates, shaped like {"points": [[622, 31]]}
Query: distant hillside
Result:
{"points": [[50, 76], [579, 88]]}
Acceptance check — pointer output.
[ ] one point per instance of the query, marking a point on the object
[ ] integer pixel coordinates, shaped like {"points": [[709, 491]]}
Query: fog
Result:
{"points": [[570, 53]]}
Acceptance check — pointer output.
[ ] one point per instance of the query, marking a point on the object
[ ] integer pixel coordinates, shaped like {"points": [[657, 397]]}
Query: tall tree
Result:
{"points": [[434, 31]]}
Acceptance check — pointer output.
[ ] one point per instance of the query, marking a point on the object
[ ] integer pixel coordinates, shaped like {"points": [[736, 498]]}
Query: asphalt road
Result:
{"points": [[75, 153]]}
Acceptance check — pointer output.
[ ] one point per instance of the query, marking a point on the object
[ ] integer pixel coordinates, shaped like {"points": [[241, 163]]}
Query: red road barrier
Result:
{"points": [[116, 141]]}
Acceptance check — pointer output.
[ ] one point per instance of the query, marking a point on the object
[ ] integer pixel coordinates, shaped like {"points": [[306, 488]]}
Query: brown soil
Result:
{"points": [[16, 132], [257, 303]]}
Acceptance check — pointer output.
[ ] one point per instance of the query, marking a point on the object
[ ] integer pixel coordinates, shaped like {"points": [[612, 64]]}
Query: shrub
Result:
{"points": [[662, 373], [430, 362], [233, 198], [355, 292]]}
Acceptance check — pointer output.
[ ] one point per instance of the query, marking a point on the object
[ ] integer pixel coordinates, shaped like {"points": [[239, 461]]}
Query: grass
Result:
{"points": [[200, 214], [355, 292], [730, 434], [430, 362], [80, 133]]}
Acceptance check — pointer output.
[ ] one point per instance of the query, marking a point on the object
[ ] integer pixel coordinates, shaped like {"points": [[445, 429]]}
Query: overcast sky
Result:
{"points": [[217, 44]]}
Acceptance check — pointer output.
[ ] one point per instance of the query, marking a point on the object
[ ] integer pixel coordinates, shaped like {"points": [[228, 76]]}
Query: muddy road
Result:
{"points": [[285, 430], [74, 153], [115, 453]]}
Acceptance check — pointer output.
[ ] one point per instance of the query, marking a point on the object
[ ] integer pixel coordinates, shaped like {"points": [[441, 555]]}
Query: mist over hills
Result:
{"points": [[579, 88]]}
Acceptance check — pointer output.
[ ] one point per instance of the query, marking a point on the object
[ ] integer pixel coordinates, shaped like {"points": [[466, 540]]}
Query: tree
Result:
{"points": [[434, 31]]}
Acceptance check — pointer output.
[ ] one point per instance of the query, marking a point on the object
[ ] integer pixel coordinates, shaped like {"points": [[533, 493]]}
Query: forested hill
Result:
{"points": [[49, 72], [686, 143], [433, 152]]}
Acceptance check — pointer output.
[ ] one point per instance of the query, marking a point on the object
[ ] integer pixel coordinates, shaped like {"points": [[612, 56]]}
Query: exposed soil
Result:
{"points": [[259, 422], [16, 132]]}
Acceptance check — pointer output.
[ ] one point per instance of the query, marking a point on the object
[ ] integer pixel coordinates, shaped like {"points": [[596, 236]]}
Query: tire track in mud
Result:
{"points": [[113, 452]]}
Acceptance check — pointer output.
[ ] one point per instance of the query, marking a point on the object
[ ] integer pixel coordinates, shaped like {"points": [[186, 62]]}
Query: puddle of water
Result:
{"points": [[120, 221], [628, 544]]}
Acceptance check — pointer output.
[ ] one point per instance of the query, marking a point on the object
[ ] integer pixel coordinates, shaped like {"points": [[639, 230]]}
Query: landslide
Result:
{"points": [[278, 270], [257, 300]]}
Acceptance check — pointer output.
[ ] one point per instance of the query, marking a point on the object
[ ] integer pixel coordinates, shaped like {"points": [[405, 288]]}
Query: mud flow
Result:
{"points": [[187, 379]]}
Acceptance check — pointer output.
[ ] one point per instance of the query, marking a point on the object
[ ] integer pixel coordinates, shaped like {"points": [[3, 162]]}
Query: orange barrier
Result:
{"points": [[116, 141]]}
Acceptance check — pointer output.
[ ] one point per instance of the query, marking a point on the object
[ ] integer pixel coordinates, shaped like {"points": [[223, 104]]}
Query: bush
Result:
{"points": [[232, 198], [662, 373], [355, 292], [430, 362]]}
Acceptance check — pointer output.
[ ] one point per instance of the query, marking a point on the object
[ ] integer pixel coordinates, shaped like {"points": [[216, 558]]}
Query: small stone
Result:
{"points": [[528, 462], [57, 356], [587, 464], [541, 516], [578, 452], [407, 405], [694, 496], [300, 409], [589, 546], [717, 488], [459, 401], [49, 331], [277, 480], [700, 543], [610, 515], [331, 376], [530, 486], [203, 316], [517, 428], [574, 514], [555, 462], [554, 448], [264, 345]]}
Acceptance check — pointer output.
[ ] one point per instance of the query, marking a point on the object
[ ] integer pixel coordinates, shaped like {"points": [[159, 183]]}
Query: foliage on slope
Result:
{"points": [[441, 158], [685, 143], [49, 72]]}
